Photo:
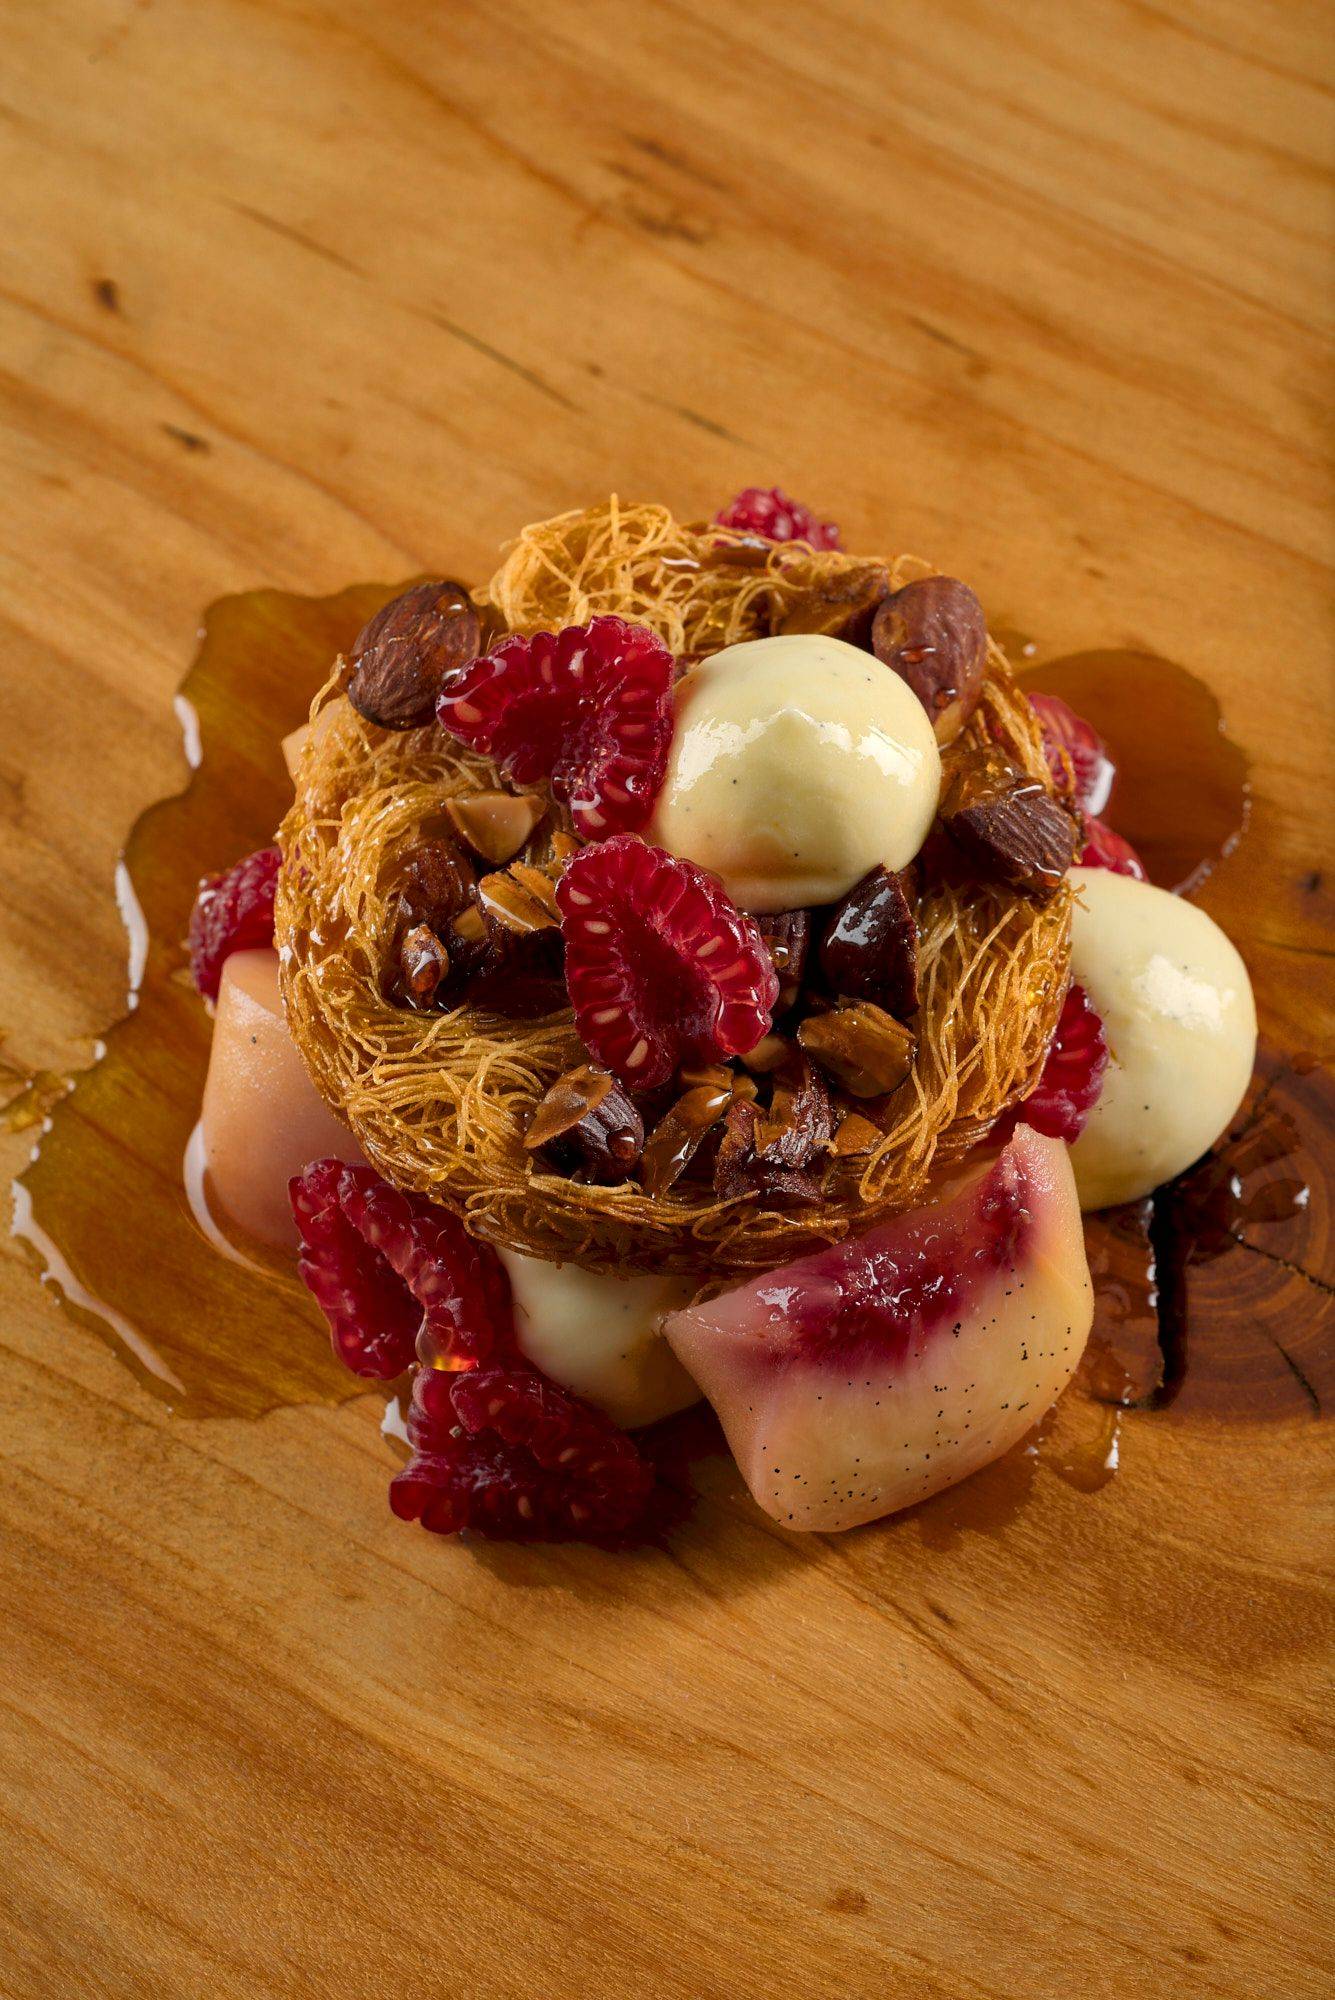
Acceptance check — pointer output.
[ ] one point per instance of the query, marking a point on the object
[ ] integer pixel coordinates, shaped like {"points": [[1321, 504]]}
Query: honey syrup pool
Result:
{"points": [[116, 1218]]}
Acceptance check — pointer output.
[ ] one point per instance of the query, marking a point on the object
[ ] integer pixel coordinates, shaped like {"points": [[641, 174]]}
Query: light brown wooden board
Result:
{"points": [[299, 295]]}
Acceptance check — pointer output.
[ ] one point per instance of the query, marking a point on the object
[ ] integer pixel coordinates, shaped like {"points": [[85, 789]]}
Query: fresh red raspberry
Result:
{"points": [[1076, 753], [1105, 849], [503, 1451], [661, 968], [769, 512], [496, 1447], [589, 708], [1072, 1076], [233, 912], [388, 1269]]}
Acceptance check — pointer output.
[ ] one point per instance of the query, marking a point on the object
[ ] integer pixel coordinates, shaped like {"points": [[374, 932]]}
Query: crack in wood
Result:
{"points": [[496, 354]]}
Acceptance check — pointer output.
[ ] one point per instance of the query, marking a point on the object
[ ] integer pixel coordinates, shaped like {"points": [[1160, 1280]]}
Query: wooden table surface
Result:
{"points": [[299, 294]]}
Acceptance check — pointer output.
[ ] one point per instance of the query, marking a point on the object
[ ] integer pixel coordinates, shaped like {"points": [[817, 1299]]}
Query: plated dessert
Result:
{"points": [[693, 966]]}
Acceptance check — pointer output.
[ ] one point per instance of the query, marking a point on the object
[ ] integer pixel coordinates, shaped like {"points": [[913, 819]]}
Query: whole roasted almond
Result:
{"points": [[933, 634], [586, 1124], [870, 947], [495, 825], [1022, 837], [842, 605], [401, 656], [865, 1050]]}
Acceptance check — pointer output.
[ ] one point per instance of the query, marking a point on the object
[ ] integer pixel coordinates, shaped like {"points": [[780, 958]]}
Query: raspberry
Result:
{"points": [[661, 968], [233, 912], [496, 1446], [589, 708], [1105, 849], [771, 514], [1072, 1076], [505, 1452], [1076, 753], [388, 1268]]}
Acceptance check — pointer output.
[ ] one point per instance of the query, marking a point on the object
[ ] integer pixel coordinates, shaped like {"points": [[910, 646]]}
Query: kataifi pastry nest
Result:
{"points": [[440, 1102]]}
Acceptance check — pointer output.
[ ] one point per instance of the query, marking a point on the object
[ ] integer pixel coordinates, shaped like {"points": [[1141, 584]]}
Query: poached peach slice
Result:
{"points": [[262, 1120], [870, 1375]]}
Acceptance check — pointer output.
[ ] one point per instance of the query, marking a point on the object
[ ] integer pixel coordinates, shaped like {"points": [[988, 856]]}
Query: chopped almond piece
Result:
{"points": [[855, 1136], [767, 1054], [870, 947], [436, 883], [864, 1049], [587, 1125], [574, 1094], [747, 1163], [842, 605], [539, 884], [680, 1133], [519, 899], [424, 963], [787, 936], [706, 1076], [1024, 838], [496, 824]]}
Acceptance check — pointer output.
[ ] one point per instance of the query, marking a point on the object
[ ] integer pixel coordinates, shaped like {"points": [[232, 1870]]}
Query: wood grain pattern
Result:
{"points": [[302, 294]]}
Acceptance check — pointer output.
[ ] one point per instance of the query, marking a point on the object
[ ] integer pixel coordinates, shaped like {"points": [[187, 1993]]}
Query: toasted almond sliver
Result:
{"points": [[677, 1137], [706, 1076], [569, 1099], [539, 885], [496, 824], [512, 903], [856, 1135]]}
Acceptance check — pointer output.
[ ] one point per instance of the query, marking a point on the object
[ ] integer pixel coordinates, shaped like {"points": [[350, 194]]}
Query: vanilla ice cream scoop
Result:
{"points": [[798, 763], [1180, 1023]]}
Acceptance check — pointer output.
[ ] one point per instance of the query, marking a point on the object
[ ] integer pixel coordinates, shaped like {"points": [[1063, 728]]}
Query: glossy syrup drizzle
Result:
{"points": [[115, 1209]]}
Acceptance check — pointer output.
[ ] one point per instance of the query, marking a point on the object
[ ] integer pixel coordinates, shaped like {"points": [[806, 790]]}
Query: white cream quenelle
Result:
{"points": [[601, 1336], [798, 763], [1180, 1023]]}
